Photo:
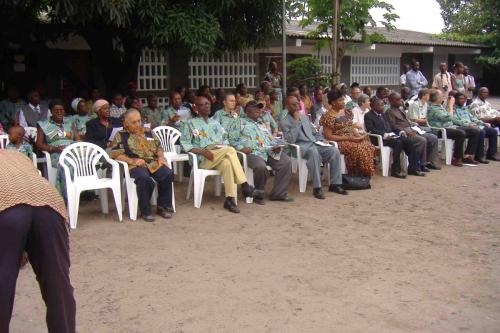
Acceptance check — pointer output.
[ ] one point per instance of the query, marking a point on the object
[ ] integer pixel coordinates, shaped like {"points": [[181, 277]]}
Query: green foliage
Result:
{"points": [[476, 22], [353, 19], [306, 70]]}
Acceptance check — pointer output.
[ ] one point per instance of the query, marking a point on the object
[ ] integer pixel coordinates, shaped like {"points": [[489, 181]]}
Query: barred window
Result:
{"points": [[152, 71], [225, 72], [375, 70], [326, 62]]}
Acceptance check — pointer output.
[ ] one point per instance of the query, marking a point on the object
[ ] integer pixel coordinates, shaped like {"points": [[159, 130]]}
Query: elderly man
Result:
{"points": [[426, 143], [206, 138], [482, 109], [442, 80], [137, 147], [176, 114], [415, 80], [437, 116], [33, 112], [250, 136], [417, 111], [355, 93], [297, 129], [229, 114]]}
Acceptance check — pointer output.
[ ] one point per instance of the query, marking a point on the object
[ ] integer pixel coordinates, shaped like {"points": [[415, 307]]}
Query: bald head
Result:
{"points": [[202, 106], [395, 100]]}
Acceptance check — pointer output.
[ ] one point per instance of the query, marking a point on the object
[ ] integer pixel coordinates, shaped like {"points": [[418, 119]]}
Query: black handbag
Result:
{"points": [[355, 182]]}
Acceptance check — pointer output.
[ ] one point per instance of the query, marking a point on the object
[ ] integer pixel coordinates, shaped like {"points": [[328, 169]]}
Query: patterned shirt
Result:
{"points": [[8, 111], [482, 109], [56, 136], [137, 145], [225, 118], [198, 133], [437, 116], [462, 113], [252, 134], [117, 112], [80, 123], [25, 148], [151, 116], [183, 112]]}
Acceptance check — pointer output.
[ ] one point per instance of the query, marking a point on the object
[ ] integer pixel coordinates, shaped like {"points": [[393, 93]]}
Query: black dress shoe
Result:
{"points": [[416, 173], [433, 166], [230, 205], [259, 201], [483, 161], [318, 193], [148, 218], [164, 212], [337, 189], [423, 168], [247, 190], [285, 199], [493, 158], [399, 175]]}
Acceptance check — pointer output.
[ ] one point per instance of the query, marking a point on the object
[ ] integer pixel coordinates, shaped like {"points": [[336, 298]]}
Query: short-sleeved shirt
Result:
{"points": [[437, 116], [252, 134], [462, 113], [137, 145], [151, 116], [80, 123], [417, 110], [483, 109], [198, 133], [25, 149], [226, 119]]}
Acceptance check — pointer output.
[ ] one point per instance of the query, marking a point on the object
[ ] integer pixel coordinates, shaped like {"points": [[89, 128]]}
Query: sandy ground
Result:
{"points": [[415, 255]]}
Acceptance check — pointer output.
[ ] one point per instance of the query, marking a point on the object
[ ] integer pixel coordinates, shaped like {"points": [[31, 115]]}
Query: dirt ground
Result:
{"points": [[415, 255]]}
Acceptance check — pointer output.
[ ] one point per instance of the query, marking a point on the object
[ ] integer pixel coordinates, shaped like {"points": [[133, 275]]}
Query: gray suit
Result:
{"points": [[303, 134]]}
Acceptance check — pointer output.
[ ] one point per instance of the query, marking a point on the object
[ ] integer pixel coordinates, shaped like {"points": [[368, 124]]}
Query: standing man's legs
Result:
{"points": [[48, 252], [15, 223], [283, 169]]}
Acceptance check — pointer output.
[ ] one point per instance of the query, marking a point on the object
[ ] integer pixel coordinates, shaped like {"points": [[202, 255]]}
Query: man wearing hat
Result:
{"points": [[250, 136]]}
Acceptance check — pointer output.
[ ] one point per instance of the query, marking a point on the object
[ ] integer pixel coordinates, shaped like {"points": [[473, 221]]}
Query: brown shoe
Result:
{"points": [[470, 160], [164, 212], [457, 162]]}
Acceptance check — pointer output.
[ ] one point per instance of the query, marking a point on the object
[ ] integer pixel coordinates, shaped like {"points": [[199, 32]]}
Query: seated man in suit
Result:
{"points": [[426, 143], [251, 136], [33, 112], [377, 123], [206, 138], [297, 129]]}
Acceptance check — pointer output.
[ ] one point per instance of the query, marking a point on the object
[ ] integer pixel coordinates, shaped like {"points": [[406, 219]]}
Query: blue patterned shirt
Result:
{"points": [[25, 148], [437, 116], [225, 118], [462, 113], [198, 133]]}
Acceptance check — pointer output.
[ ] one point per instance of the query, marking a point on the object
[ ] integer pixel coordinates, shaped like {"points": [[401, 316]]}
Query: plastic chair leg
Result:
{"points": [[173, 198], [448, 150], [218, 185], [190, 185], [103, 196], [118, 202], [385, 158], [199, 185], [303, 172]]}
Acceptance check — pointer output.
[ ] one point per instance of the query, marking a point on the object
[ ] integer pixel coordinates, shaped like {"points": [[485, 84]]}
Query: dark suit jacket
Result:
{"points": [[377, 124], [398, 120]]}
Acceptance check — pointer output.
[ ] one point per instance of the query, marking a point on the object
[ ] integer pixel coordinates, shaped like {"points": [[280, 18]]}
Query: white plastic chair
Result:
{"points": [[445, 145], [4, 141], [385, 154], [133, 199], [79, 161], [300, 164], [168, 136], [197, 181], [51, 169]]}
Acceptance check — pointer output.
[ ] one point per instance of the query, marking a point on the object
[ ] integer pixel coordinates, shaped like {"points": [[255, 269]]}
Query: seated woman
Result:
{"points": [[99, 129], [338, 126], [81, 117], [144, 155], [55, 134]]}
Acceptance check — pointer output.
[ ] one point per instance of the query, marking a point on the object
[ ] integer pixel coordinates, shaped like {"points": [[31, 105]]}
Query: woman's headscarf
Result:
{"points": [[74, 103], [99, 104]]}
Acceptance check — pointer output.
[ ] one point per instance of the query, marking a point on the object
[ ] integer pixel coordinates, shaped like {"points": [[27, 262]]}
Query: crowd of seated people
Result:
{"points": [[218, 126]]}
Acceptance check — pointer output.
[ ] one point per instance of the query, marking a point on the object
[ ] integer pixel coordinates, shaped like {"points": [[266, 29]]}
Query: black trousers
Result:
{"points": [[42, 233], [145, 182], [492, 135], [459, 137], [282, 167], [474, 144], [409, 148]]}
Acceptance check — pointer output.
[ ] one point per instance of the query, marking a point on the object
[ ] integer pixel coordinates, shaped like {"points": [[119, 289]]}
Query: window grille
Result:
{"points": [[162, 102], [375, 70], [326, 62], [225, 72], [152, 71]]}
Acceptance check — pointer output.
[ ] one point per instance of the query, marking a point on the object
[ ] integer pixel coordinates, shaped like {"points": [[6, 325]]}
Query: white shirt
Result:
{"points": [[359, 116], [22, 118]]}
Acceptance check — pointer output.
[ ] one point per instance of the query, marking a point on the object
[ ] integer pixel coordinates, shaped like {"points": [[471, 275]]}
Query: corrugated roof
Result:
{"points": [[406, 37]]}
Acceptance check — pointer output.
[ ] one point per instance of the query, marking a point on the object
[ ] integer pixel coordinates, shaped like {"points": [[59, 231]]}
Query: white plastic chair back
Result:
{"points": [[4, 141], [83, 157], [167, 136]]}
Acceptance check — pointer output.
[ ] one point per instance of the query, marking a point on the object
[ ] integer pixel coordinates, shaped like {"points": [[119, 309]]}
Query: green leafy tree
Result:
{"points": [[118, 30], [353, 17], [308, 71], [475, 21]]}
